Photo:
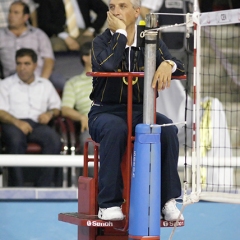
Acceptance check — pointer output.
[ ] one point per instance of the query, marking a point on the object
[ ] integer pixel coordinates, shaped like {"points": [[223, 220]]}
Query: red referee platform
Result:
{"points": [[90, 227]]}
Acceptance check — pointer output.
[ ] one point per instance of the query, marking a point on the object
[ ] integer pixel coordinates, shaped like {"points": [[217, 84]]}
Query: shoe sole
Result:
{"points": [[172, 220], [111, 219]]}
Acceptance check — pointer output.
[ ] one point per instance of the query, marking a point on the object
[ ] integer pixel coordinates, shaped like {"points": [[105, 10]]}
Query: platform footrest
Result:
{"points": [[93, 221], [88, 220]]}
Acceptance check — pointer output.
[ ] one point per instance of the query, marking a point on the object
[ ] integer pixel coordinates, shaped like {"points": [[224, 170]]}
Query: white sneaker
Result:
{"points": [[112, 213], [171, 212]]}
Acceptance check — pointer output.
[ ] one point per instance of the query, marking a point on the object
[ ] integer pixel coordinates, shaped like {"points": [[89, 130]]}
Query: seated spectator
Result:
{"points": [[75, 99], [19, 34], [27, 104], [4, 9], [52, 18]]}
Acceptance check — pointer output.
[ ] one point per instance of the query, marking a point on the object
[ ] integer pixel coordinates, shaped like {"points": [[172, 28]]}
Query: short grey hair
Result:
{"points": [[135, 3]]}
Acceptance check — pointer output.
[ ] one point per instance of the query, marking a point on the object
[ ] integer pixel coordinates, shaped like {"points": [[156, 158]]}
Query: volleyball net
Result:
{"points": [[211, 105], [216, 106]]}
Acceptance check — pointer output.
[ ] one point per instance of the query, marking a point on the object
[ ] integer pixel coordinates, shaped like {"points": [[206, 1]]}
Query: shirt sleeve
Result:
{"points": [[164, 54], [108, 51], [4, 90], [45, 45], [54, 100], [68, 96]]}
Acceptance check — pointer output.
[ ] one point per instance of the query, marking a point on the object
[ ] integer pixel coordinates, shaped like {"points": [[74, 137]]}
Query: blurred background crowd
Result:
{"points": [[44, 56]]}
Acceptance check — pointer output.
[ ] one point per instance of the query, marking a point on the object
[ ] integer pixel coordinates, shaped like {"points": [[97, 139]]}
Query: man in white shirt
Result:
{"points": [[27, 105]]}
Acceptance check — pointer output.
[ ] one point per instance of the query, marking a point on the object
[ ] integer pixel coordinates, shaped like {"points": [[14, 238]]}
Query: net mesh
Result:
{"points": [[210, 99], [217, 110]]}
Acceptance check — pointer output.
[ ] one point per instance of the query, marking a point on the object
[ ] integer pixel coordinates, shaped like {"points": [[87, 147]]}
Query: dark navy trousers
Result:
{"points": [[16, 143], [108, 126]]}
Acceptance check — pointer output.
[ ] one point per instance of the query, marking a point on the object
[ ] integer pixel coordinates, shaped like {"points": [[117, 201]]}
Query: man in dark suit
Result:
{"points": [[52, 20]]}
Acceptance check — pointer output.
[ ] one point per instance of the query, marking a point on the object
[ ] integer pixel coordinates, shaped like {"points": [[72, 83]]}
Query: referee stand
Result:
{"points": [[89, 226]]}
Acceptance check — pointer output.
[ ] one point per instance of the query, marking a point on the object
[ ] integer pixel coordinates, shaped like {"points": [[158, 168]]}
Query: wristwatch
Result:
{"points": [[172, 63]]}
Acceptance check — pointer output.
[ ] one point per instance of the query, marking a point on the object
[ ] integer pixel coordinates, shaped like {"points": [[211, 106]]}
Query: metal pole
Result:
{"points": [[149, 69]]}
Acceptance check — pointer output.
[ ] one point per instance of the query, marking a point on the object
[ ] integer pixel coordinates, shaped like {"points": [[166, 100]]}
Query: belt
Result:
{"points": [[98, 104]]}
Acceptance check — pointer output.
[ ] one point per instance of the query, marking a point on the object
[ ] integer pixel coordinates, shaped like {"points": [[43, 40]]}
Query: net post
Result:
{"points": [[150, 68]]}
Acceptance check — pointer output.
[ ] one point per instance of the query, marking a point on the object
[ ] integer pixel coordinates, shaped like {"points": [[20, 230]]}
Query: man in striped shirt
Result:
{"points": [[75, 99]]}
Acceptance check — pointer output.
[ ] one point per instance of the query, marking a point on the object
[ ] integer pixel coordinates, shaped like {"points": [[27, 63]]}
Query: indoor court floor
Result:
{"points": [[38, 220]]}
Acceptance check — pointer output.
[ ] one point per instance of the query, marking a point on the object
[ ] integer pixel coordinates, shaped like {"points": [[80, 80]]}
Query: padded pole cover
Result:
{"points": [[144, 214]]}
